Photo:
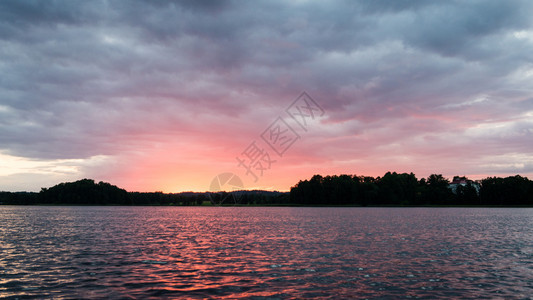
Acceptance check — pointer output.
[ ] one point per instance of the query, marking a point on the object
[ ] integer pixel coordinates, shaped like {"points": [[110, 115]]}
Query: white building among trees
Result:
{"points": [[464, 182]]}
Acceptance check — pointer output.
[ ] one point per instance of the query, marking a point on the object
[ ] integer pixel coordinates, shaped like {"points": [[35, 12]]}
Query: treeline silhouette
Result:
{"points": [[395, 189], [88, 192], [406, 190], [84, 192]]}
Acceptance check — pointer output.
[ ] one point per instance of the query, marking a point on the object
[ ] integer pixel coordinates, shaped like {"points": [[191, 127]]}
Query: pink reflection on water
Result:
{"points": [[266, 252]]}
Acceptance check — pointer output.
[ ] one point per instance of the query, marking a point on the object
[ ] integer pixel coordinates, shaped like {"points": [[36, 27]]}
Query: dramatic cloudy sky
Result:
{"points": [[164, 96]]}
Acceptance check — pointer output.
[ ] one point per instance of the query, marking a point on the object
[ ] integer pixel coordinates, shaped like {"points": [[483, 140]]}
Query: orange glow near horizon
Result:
{"points": [[192, 170]]}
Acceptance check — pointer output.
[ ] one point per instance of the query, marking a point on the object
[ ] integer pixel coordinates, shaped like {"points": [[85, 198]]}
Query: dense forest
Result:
{"points": [[406, 190], [393, 189]]}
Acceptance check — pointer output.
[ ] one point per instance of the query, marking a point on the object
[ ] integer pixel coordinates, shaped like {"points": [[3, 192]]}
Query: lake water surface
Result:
{"points": [[260, 253]]}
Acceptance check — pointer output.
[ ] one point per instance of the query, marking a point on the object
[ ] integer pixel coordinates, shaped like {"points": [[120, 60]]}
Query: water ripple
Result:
{"points": [[265, 253]]}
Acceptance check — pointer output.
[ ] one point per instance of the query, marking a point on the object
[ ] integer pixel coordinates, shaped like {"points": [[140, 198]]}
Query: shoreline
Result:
{"points": [[286, 205]]}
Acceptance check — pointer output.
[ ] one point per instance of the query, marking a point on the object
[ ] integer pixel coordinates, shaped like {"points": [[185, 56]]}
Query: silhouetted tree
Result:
{"points": [[512, 190], [397, 189], [435, 190]]}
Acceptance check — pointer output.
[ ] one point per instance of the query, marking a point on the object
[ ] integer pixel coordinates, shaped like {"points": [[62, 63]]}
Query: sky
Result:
{"points": [[164, 96]]}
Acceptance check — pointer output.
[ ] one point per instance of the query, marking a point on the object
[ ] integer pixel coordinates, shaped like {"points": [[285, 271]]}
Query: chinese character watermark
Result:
{"points": [[279, 137], [304, 108], [255, 159]]}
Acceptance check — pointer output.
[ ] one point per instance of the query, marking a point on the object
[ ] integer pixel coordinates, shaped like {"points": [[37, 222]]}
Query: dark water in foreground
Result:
{"points": [[232, 252]]}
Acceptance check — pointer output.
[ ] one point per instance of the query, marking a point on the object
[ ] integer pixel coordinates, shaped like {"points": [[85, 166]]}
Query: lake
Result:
{"points": [[265, 252]]}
